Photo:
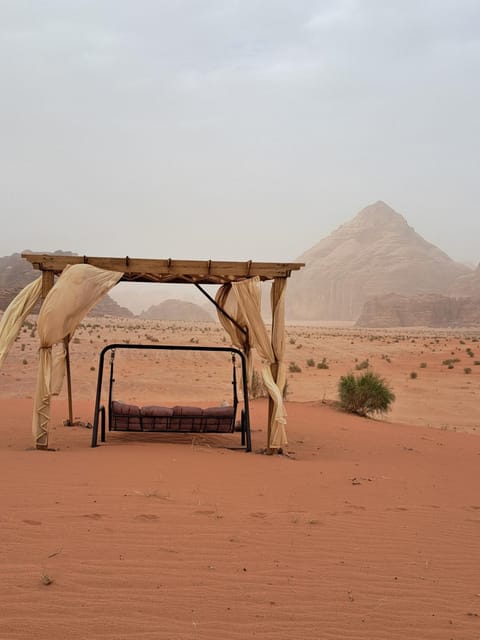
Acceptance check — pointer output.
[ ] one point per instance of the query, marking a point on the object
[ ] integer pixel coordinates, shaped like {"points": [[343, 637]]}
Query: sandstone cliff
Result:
{"points": [[427, 310], [374, 254], [467, 285]]}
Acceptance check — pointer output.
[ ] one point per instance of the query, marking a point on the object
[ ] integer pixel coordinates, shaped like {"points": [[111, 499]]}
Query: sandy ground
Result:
{"points": [[366, 529]]}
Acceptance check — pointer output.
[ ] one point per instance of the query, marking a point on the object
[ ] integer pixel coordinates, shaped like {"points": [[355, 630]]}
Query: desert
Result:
{"points": [[364, 528], [309, 168]]}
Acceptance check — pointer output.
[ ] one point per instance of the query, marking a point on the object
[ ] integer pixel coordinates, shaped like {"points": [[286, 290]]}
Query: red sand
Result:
{"points": [[365, 530]]}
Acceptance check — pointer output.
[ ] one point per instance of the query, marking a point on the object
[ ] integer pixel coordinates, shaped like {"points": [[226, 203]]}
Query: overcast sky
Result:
{"points": [[235, 128]]}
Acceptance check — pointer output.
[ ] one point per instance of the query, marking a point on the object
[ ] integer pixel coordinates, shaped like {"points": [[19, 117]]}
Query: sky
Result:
{"points": [[235, 129]]}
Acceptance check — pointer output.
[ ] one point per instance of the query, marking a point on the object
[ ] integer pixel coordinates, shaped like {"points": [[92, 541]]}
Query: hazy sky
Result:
{"points": [[235, 128]]}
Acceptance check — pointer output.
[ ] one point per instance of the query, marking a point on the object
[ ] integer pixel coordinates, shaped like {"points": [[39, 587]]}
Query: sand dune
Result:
{"points": [[366, 529]]}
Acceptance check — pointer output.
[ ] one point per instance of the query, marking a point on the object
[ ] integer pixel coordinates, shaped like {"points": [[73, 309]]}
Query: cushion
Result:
{"points": [[156, 411], [122, 409]]}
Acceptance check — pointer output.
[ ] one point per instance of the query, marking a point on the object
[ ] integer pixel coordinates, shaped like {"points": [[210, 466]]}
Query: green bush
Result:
{"points": [[294, 368], [310, 362], [364, 394], [323, 364]]}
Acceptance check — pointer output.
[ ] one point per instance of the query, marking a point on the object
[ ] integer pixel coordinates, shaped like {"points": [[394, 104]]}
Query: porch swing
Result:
{"points": [[178, 419]]}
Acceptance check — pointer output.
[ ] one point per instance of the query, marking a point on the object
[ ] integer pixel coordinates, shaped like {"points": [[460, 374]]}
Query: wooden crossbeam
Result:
{"points": [[168, 270]]}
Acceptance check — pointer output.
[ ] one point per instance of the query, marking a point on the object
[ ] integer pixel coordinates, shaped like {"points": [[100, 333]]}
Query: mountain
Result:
{"points": [[16, 273], [177, 310], [467, 285], [425, 310], [374, 254]]}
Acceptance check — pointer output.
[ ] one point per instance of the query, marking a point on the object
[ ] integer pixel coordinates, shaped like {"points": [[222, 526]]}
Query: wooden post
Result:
{"points": [[47, 283], [274, 370], [278, 324], [66, 343]]}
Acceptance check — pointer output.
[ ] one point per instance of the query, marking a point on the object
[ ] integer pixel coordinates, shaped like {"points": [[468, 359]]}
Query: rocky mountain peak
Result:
{"points": [[379, 214], [375, 253]]}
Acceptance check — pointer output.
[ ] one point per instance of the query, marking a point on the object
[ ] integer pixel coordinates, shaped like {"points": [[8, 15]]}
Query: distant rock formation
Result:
{"points": [[427, 310], [177, 310], [374, 254], [467, 285], [16, 273]]}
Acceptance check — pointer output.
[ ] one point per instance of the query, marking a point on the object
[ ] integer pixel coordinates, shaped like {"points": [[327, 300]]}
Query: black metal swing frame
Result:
{"points": [[204, 423]]}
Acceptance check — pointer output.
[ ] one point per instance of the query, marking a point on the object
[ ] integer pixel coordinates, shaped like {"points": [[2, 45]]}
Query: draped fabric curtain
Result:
{"points": [[76, 291], [14, 316], [277, 300], [227, 300], [244, 305]]}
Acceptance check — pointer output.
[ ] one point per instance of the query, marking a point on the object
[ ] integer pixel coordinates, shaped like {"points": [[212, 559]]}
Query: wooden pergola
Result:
{"points": [[196, 272], [166, 270]]}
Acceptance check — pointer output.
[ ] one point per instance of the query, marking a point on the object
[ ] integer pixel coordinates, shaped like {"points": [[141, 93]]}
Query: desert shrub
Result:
{"points": [[364, 364], [257, 388], [450, 361], [294, 368], [364, 394], [323, 364], [470, 352], [310, 362], [467, 370], [413, 375], [423, 365], [476, 362]]}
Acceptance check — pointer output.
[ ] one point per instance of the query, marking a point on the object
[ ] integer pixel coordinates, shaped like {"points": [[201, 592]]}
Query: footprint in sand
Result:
{"points": [[258, 514], [33, 522], [146, 516], [93, 516]]}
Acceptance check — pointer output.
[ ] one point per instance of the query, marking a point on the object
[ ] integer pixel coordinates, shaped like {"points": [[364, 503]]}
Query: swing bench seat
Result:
{"points": [[178, 419]]}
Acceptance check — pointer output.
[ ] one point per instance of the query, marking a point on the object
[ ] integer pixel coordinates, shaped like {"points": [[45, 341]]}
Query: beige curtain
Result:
{"points": [[227, 300], [76, 291], [277, 299], [245, 308], [16, 312]]}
